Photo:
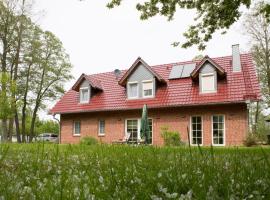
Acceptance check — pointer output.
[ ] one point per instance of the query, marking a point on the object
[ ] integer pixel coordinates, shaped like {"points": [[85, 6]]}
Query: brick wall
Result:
{"points": [[236, 123]]}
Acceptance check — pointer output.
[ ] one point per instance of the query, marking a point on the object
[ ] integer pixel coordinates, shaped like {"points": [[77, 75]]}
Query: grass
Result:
{"points": [[39, 171]]}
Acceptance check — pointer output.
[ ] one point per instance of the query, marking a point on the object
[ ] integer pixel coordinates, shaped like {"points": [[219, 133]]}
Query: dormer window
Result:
{"points": [[133, 90], [147, 87], [208, 83], [84, 94]]}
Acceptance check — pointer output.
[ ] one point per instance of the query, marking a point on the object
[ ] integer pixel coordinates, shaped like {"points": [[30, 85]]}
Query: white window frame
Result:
{"points": [[84, 88], [224, 130], [191, 129], [74, 129], [130, 83], [139, 127], [201, 82], [99, 133], [147, 81]]}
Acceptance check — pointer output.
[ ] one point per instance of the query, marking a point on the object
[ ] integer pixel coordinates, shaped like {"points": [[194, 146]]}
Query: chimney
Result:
{"points": [[117, 73], [236, 62]]}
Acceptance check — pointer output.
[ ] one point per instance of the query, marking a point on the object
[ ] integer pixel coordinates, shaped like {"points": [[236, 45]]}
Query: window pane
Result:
{"points": [[102, 126], [218, 129], [133, 90], [196, 130], [215, 133], [77, 127], [215, 118], [84, 95], [148, 88], [208, 83], [215, 140], [150, 123], [148, 92], [132, 128]]}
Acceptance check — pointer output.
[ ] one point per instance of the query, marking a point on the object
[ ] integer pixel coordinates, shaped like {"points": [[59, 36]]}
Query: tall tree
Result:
{"points": [[212, 16], [258, 28], [54, 70], [33, 69]]}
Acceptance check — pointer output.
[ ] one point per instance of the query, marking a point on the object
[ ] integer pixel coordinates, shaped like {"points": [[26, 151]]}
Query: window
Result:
{"points": [[196, 130], [208, 83], [101, 129], [133, 90], [150, 123], [133, 127], [84, 95], [77, 128], [147, 88], [218, 130]]}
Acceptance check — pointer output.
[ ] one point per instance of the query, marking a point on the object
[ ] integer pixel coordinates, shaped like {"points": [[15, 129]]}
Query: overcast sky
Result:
{"points": [[99, 39]]}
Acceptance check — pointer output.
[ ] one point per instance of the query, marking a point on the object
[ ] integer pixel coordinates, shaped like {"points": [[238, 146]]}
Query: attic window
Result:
{"points": [[208, 83], [147, 88], [84, 95], [133, 90]]}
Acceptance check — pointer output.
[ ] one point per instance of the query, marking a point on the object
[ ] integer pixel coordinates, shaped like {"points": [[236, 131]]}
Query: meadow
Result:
{"points": [[44, 171]]}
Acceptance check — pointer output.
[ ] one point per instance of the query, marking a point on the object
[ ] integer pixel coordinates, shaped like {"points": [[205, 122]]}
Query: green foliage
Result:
{"points": [[50, 171], [251, 140], [171, 138], [211, 16], [258, 30], [88, 141]]}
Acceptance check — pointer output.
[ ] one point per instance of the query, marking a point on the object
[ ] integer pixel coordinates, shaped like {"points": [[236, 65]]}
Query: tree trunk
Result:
{"points": [[10, 129], [17, 125], [256, 117]]}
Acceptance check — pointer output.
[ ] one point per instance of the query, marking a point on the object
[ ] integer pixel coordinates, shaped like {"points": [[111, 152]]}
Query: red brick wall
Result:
{"points": [[236, 123]]}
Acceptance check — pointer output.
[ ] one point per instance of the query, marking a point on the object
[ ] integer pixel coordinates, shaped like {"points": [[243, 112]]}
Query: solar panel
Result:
{"points": [[188, 68], [176, 72]]}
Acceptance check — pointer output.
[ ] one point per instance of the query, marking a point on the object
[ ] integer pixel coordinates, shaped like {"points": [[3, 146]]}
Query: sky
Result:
{"points": [[99, 39]]}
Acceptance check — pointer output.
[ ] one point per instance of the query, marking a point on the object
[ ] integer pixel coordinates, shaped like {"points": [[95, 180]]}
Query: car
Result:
{"points": [[48, 137]]}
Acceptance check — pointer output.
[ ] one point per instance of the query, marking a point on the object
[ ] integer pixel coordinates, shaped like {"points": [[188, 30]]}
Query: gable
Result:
{"points": [[87, 80], [139, 62], [84, 83], [207, 62], [140, 74], [207, 68]]}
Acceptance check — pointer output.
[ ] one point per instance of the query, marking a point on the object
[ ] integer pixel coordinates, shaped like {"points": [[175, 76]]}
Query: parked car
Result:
{"points": [[48, 137]]}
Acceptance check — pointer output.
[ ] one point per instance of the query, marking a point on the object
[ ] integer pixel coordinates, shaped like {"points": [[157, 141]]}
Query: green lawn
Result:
{"points": [[38, 171]]}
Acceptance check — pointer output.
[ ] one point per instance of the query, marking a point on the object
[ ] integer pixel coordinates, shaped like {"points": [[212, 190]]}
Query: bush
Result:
{"points": [[171, 138], [250, 140], [88, 141]]}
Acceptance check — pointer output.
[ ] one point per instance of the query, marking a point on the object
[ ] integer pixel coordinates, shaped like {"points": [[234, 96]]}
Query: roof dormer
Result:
{"points": [[139, 63], [140, 80], [85, 85], [208, 72]]}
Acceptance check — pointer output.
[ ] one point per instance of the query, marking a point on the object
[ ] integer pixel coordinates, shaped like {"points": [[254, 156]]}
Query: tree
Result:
{"points": [[34, 67], [258, 28], [212, 16]]}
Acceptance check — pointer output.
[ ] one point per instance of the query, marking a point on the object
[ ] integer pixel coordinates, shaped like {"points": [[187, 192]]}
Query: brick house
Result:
{"points": [[208, 97]]}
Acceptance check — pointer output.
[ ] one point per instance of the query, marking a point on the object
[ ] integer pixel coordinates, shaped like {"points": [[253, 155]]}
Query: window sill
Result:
{"points": [[142, 98], [76, 135], [84, 102], [101, 135]]}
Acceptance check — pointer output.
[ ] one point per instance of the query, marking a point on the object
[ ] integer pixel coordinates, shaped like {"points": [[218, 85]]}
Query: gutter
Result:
{"points": [[149, 107]]}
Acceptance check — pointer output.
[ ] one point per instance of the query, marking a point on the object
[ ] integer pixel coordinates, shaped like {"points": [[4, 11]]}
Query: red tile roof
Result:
{"points": [[235, 88]]}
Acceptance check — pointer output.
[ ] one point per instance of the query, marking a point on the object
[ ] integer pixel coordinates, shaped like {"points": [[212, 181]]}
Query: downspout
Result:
{"points": [[248, 102], [59, 122]]}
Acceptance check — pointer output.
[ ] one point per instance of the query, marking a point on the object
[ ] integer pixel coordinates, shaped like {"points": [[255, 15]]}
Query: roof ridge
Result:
{"points": [[165, 64]]}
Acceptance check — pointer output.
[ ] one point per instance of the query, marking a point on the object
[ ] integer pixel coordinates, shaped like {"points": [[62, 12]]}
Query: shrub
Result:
{"points": [[250, 140], [171, 138], [88, 141]]}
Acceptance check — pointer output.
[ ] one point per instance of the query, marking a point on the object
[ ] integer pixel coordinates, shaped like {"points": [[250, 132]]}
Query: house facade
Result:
{"points": [[206, 101]]}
